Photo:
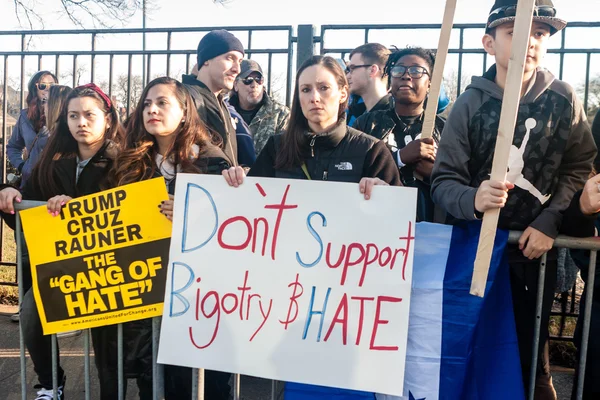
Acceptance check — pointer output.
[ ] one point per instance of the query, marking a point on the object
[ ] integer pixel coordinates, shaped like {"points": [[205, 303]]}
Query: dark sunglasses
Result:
{"points": [[44, 86], [351, 68], [415, 71], [511, 11], [248, 81]]}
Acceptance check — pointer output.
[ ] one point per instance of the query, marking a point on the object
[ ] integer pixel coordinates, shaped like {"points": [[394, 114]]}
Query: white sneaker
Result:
{"points": [[48, 394]]}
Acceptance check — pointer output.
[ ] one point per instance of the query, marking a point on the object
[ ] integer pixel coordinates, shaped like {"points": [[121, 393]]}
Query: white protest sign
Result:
{"points": [[290, 280]]}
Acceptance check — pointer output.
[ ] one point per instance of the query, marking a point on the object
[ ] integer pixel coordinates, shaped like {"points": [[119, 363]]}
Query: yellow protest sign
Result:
{"points": [[103, 260]]}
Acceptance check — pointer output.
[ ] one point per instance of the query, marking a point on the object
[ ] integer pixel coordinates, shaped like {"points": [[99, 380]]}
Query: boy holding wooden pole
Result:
{"points": [[550, 159]]}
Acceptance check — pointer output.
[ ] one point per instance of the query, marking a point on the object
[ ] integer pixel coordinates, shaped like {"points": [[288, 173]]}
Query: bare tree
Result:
{"points": [[593, 95], [121, 90], [101, 13], [80, 73], [278, 87]]}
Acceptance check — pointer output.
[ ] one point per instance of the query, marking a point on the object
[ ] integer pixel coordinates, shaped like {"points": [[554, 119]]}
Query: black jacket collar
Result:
{"points": [[326, 140]]}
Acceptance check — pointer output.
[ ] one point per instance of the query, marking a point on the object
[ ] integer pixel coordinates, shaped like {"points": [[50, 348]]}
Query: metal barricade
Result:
{"points": [[158, 388]]}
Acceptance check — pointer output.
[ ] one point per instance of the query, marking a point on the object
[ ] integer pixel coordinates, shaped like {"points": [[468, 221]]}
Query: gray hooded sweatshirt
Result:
{"points": [[550, 160]]}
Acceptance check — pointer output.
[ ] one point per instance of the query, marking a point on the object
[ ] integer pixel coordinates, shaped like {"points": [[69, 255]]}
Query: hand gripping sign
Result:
{"points": [[103, 260]]}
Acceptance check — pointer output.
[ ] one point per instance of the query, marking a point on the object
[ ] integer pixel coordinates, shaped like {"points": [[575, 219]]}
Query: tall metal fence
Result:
{"points": [[280, 49]]}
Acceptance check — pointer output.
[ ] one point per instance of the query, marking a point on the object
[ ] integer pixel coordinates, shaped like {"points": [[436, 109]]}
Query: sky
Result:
{"points": [[194, 13]]}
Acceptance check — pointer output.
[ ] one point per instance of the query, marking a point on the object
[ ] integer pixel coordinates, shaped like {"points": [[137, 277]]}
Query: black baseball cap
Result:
{"points": [[505, 11], [249, 66]]}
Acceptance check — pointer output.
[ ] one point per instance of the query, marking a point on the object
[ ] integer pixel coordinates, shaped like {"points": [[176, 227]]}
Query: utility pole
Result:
{"points": [[144, 42]]}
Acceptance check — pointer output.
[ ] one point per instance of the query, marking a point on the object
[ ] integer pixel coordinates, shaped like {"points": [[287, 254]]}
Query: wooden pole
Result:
{"points": [[438, 71], [506, 130]]}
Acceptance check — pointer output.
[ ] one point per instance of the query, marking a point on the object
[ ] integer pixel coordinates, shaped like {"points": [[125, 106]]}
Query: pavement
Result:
{"points": [[72, 361]]}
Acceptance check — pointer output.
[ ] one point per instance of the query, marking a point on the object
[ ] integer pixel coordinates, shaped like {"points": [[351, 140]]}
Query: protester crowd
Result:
{"points": [[362, 125]]}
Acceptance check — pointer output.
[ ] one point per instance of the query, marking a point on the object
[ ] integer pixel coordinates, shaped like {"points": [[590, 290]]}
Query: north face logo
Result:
{"points": [[344, 166]]}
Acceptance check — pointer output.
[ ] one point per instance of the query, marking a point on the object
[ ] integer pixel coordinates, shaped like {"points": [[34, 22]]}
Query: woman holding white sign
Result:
{"points": [[318, 145], [74, 163], [162, 139]]}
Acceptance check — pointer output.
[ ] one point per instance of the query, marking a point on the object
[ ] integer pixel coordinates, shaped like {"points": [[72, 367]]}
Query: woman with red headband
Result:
{"points": [[74, 163]]}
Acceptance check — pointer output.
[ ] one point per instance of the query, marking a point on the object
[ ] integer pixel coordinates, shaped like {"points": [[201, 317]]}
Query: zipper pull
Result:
{"points": [[325, 175], [312, 145]]}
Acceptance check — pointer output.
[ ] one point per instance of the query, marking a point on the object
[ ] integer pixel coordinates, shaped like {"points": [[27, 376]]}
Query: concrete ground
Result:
{"points": [[71, 350], [72, 361]]}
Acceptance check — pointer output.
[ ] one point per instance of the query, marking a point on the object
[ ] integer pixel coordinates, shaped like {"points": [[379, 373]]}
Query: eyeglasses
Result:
{"points": [[44, 86], [415, 71], [511, 11], [351, 68], [248, 81]]}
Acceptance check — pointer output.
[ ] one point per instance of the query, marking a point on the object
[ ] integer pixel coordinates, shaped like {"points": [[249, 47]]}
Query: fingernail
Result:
{"points": [[12, 212], [63, 203], [367, 197], [18, 200]]}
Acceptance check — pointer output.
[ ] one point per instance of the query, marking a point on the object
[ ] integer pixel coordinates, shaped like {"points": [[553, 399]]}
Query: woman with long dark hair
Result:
{"points": [[318, 145], [164, 136], [74, 163], [31, 124], [57, 96]]}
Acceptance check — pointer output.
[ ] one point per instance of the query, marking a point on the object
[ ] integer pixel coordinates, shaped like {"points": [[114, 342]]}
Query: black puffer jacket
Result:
{"points": [[341, 155], [382, 125]]}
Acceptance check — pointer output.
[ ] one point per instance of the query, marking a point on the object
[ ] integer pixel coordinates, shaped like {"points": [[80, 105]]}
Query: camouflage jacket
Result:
{"points": [[270, 120]]}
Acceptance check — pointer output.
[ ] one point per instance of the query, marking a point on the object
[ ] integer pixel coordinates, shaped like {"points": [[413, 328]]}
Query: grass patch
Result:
{"points": [[8, 294]]}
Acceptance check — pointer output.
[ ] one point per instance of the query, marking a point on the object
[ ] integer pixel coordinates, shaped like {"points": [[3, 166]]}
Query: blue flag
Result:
{"points": [[459, 346]]}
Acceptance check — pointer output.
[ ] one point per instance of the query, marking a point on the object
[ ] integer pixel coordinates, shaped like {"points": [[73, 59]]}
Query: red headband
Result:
{"points": [[96, 89]]}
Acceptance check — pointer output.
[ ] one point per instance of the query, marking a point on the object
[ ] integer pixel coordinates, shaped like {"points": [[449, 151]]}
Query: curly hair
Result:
{"points": [[136, 161], [425, 54]]}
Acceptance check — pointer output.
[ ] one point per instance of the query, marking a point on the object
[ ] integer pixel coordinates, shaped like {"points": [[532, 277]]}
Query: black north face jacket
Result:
{"points": [[341, 155], [550, 160]]}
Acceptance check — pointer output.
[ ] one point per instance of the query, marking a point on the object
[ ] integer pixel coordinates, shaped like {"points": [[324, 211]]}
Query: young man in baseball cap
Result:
{"points": [[550, 160]]}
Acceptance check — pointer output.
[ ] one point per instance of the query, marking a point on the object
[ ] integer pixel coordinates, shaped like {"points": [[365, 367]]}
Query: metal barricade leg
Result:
{"points": [[273, 389], [198, 384], [54, 367], [158, 382], [121, 379], [21, 294], [538, 325], [86, 362], [236, 386], [587, 317]]}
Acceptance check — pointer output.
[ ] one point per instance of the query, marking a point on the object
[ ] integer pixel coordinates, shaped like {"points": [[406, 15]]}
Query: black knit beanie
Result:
{"points": [[215, 43]]}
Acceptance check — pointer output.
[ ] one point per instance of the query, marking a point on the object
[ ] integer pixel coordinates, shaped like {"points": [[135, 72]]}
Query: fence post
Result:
{"points": [[306, 44]]}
